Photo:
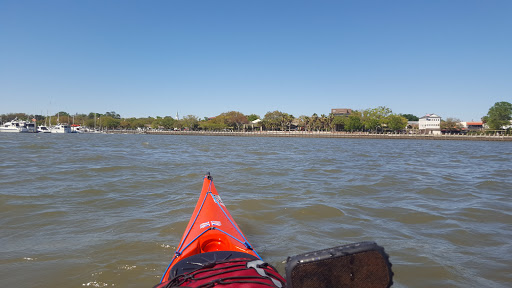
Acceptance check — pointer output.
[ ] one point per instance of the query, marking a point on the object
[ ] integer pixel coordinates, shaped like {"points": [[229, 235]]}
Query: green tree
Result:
{"points": [[252, 117], [167, 122], [353, 122], [155, 124], [273, 119], [499, 115], [190, 121], [375, 117], [369, 121], [113, 114], [315, 122], [127, 123], [235, 118], [11, 116], [93, 114], [139, 123], [330, 122], [339, 122], [110, 123], [396, 122], [410, 117], [286, 120], [451, 125], [304, 122], [324, 122], [212, 125], [216, 123], [178, 124], [89, 123]]}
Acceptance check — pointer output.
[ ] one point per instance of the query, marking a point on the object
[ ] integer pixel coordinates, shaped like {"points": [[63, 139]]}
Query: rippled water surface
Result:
{"points": [[107, 210]]}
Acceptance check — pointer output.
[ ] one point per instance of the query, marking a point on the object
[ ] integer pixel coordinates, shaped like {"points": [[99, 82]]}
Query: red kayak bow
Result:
{"points": [[211, 228]]}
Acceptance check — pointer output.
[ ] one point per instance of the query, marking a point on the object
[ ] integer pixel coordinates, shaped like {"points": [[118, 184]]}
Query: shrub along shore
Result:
{"points": [[322, 134]]}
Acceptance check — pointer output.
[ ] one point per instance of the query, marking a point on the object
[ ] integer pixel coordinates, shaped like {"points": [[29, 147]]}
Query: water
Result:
{"points": [[107, 210]]}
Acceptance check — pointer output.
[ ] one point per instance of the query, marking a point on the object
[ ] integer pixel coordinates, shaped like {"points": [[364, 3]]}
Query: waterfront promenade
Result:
{"points": [[320, 134]]}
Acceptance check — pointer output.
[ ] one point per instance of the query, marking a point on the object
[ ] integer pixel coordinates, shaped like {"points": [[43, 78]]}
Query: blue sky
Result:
{"points": [[154, 58]]}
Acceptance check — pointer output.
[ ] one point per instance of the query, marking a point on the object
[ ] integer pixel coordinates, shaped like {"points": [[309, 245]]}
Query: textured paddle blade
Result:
{"points": [[358, 265]]}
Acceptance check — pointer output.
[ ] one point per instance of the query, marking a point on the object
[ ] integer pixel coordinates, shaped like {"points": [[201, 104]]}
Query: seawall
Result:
{"points": [[321, 134]]}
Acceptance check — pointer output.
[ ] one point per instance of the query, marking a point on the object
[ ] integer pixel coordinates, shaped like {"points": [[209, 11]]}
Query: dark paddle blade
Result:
{"points": [[361, 265]]}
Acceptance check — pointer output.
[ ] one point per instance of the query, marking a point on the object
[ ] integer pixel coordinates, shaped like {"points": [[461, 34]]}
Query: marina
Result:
{"points": [[20, 126]]}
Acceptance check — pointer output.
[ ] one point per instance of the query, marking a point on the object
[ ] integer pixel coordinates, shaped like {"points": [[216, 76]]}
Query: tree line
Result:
{"points": [[378, 119]]}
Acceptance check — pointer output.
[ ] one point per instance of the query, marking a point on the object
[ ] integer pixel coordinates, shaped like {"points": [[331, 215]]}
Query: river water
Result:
{"points": [[96, 210]]}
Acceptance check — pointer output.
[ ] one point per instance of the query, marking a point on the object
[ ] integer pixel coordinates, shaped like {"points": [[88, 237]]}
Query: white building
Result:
{"points": [[430, 124], [508, 126], [472, 126]]}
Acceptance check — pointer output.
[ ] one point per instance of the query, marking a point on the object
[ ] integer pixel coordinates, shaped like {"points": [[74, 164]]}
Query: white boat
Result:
{"points": [[60, 128], [31, 127], [43, 129], [77, 129], [15, 126]]}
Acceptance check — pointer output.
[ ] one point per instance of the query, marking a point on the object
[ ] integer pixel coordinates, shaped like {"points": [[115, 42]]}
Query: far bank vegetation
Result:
{"points": [[380, 119]]}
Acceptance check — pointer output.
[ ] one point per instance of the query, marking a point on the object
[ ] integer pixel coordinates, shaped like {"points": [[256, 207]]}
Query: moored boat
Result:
{"points": [[43, 129], [76, 128], [60, 128], [31, 127], [16, 126]]}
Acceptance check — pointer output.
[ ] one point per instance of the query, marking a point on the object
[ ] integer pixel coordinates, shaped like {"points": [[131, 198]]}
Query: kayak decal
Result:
{"points": [[217, 200], [210, 223]]}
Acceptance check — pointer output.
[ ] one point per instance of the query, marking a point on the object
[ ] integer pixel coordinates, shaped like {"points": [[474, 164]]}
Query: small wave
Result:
{"points": [[431, 192], [491, 185], [316, 212], [333, 171], [52, 214], [95, 284], [35, 147], [249, 169], [358, 190], [92, 158], [167, 246], [127, 267], [262, 153], [486, 157], [91, 192], [414, 217], [257, 205], [112, 168]]}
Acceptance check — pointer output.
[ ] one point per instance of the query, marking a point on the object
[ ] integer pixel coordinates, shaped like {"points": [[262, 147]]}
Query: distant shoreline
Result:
{"points": [[321, 134]]}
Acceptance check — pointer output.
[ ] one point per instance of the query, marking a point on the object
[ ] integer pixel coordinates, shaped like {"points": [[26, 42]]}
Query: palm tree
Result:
{"points": [[330, 122], [314, 121]]}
